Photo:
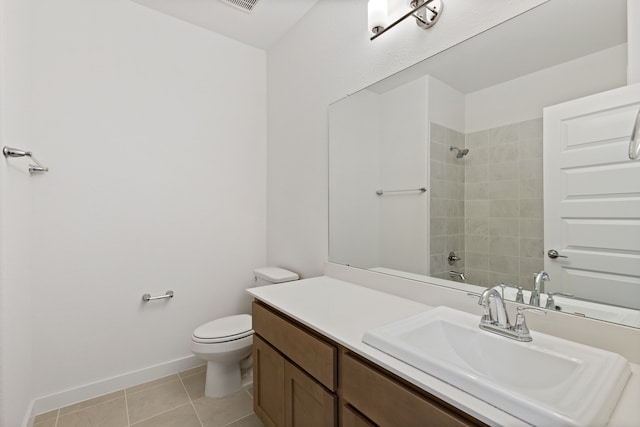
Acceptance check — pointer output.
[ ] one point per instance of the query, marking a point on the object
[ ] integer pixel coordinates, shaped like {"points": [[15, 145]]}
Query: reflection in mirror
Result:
{"points": [[467, 125]]}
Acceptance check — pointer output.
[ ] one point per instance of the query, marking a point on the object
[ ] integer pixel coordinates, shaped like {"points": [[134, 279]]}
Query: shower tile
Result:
{"points": [[503, 134], [503, 153], [531, 248], [531, 129], [477, 244], [452, 208], [531, 208], [437, 170], [438, 189], [477, 277], [529, 266], [437, 263], [530, 149], [500, 245], [503, 190], [477, 156], [453, 137], [194, 384], [530, 169], [478, 226], [497, 278], [436, 244], [437, 132], [476, 140], [152, 401], [504, 264], [477, 173], [476, 209], [451, 226], [184, 416], [476, 190], [91, 402], [437, 208], [106, 414], [503, 171], [437, 151], [477, 261], [220, 412], [532, 228], [438, 227], [51, 422], [530, 188], [503, 227], [503, 208]]}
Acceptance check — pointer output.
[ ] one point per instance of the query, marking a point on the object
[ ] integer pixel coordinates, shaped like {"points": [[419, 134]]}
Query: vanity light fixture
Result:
{"points": [[426, 12]]}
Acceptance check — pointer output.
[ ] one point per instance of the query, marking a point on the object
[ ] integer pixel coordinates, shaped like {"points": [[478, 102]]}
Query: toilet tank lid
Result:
{"points": [[275, 274], [224, 327]]}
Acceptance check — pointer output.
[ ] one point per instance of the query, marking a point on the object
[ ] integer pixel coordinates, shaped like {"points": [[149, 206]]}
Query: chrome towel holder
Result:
{"points": [[148, 297], [16, 152]]}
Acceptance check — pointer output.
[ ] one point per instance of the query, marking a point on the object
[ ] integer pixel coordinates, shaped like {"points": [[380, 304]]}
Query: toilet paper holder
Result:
{"points": [[148, 297]]}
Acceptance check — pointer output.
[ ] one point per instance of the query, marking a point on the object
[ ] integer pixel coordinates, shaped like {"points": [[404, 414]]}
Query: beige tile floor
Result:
{"points": [[174, 401]]}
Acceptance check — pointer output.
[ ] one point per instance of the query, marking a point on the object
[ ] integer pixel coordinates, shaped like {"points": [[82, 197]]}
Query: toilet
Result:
{"points": [[226, 343]]}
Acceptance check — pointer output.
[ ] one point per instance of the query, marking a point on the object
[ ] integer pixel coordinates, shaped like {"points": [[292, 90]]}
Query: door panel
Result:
{"points": [[592, 197]]}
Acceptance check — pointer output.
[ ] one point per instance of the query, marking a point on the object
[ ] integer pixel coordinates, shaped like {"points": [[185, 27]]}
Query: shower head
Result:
{"points": [[460, 153]]}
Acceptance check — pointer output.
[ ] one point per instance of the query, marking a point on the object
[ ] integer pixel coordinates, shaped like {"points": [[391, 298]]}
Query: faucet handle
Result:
{"points": [[551, 304], [520, 327]]}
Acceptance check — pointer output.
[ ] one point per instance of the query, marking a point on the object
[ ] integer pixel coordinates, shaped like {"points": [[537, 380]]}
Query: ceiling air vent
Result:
{"points": [[246, 5]]}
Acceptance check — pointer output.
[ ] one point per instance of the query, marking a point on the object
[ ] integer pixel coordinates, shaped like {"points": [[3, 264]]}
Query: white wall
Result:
{"points": [[404, 222], [523, 99], [155, 134], [633, 40], [354, 208], [446, 105], [302, 85], [15, 222]]}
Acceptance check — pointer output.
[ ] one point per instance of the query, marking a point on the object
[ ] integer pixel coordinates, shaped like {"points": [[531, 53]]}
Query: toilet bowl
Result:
{"points": [[223, 344], [226, 343]]}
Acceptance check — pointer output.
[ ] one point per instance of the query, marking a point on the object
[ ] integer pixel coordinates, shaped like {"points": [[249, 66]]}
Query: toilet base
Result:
{"points": [[222, 379]]}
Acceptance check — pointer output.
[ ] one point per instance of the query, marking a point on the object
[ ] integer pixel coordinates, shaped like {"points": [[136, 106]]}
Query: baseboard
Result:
{"points": [[89, 391]]}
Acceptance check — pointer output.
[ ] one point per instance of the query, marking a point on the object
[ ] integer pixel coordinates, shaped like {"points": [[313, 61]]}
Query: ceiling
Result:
{"points": [[261, 28]]}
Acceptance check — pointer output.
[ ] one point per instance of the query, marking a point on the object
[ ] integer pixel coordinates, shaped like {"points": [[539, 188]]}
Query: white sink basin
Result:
{"points": [[546, 382]]}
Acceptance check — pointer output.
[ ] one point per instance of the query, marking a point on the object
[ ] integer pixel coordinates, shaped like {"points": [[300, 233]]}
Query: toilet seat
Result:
{"points": [[225, 329]]}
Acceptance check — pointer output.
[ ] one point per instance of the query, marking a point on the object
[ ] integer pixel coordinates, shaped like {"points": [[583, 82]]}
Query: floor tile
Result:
{"points": [[222, 411], [153, 401], [85, 404], [195, 385], [184, 416], [51, 422], [250, 421], [151, 384], [193, 371], [107, 414], [46, 416]]}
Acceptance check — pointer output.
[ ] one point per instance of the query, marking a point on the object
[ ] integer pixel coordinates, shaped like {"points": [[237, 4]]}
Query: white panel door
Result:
{"points": [[592, 197]]}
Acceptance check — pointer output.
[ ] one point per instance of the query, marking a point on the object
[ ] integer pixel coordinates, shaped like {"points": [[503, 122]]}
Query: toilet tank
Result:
{"points": [[272, 275]]}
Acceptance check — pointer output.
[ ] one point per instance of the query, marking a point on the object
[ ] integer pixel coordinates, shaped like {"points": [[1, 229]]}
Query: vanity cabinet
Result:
{"points": [[295, 379], [296, 383]]}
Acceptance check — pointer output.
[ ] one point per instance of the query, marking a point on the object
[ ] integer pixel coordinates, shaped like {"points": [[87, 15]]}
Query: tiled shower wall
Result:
{"points": [[487, 207], [447, 201], [503, 204]]}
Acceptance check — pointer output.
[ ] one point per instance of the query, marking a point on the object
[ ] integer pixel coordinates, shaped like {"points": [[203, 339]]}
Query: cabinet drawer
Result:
{"points": [[387, 402], [312, 354]]}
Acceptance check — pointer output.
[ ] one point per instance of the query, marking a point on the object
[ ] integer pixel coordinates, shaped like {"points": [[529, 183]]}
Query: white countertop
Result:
{"points": [[343, 311]]}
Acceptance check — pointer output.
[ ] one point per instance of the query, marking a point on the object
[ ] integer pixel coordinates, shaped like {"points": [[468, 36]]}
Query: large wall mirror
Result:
{"points": [[437, 171]]}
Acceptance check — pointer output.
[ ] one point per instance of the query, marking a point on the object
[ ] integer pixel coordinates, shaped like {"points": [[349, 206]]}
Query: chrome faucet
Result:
{"points": [[500, 325], [538, 288], [501, 320]]}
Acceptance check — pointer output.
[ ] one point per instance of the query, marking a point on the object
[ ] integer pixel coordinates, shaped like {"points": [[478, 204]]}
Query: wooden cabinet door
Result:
{"points": [[268, 383], [307, 403]]}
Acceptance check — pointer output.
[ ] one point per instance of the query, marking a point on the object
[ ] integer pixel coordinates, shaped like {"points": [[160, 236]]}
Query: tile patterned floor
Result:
{"points": [[174, 401]]}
